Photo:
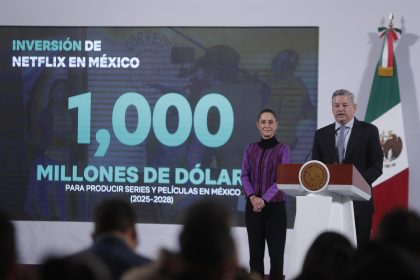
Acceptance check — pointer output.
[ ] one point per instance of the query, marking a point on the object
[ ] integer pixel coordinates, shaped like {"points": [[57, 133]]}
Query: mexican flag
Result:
{"points": [[384, 110]]}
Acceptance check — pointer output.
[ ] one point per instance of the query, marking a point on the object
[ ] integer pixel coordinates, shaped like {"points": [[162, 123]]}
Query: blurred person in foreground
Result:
{"points": [[83, 267], [395, 251], [328, 258], [401, 227], [115, 237], [8, 256], [380, 260], [207, 249]]}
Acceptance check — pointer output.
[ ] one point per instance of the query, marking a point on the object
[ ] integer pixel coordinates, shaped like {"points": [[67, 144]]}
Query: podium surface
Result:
{"points": [[345, 179]]}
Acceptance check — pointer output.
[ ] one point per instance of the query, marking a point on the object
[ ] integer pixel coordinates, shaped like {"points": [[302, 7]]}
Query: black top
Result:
{"points": [[268, 143]]}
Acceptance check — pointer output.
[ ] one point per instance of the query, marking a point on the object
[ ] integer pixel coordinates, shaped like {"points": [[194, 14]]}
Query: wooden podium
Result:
{"points": [[330, 209]]}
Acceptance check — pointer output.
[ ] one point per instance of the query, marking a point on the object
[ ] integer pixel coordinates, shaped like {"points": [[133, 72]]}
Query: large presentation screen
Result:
{"points": [[157, 116]]}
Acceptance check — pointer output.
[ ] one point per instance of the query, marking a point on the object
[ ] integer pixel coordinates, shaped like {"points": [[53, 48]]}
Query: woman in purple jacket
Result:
{"points": [[265, 213]]}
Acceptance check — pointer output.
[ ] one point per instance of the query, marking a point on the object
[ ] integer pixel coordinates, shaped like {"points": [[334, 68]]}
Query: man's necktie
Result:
{"points": [[341, 142]]}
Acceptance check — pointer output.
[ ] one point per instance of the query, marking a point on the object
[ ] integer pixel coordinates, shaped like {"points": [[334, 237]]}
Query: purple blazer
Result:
{"points": [[259, 171]]}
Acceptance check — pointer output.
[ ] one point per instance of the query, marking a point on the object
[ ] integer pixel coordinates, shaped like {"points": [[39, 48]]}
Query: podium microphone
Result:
{"points": [[310, 152]]}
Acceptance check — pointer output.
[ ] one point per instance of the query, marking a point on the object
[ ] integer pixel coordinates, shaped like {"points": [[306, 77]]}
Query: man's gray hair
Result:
{"points": [[345, 92]]}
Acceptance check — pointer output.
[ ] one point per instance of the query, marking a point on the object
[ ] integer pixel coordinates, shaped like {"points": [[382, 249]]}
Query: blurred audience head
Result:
{"points": [[8, 256], [206, 241], [328, 257], [116, 217], [378, 260], [401, 227]]}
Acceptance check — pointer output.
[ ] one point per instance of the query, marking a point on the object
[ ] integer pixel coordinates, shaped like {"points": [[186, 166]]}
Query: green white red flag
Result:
{"points": [[384, 110]]}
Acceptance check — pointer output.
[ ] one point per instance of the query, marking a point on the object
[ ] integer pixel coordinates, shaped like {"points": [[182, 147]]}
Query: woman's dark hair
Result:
{"points": [[266, 110]]}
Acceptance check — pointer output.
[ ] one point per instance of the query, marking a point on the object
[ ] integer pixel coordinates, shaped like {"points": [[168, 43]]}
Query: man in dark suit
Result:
{"points": [[115, 237], [349, 140]]}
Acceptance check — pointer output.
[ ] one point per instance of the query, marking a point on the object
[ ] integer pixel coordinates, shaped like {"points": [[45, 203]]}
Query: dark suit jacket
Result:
{"points": [[115, 254], [363, 151]]}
